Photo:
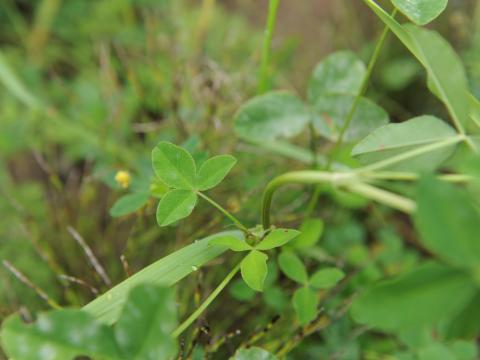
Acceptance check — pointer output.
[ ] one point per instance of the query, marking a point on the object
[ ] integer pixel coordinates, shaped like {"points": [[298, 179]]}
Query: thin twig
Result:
{"points": [[126, 265], [20, 276], [78, 281], [91, 257]]}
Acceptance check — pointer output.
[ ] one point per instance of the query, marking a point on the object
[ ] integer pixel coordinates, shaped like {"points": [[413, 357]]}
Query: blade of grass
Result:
{"points": [[15, 86], [267, 42], [167, 271], [44, 17]]}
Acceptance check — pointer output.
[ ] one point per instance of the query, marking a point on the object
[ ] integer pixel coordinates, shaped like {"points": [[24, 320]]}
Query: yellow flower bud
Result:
{"points": [[123, 178]]}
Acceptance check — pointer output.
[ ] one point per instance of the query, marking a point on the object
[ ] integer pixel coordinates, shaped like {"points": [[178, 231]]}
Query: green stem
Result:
{"points": [[363, 89], [298, 177], [409, 176], [410, 154], [267, 41], [385, 197], [207, 302], [373, 60], [225, 212], [44, 17]]}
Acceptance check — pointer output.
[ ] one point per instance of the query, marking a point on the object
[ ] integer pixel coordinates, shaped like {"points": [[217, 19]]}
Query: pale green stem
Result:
{"points": [[385, 197], [194, 316], [410, 154], [267, 41], [409, 176], [225, 212], [298, 177], [363, 89], [373, 60]]}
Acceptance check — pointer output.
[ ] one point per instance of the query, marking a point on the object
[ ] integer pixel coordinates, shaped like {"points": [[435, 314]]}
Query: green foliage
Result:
{"points": [[339, 73], [129, 203], [62, 334], [310, 232], [176, 168], [170, 72], [305, 302], [175, 205], [331, 94], [414, 300], [455, 241], [395, 139], [254, 269], [253, 353], [213, 171], [168, 270], [331, 110], [421, 12], [326, 278], [277, 238], [446, 74], [270, 116], [293, 267], [142, 332], [232, 242], [146, 323]]}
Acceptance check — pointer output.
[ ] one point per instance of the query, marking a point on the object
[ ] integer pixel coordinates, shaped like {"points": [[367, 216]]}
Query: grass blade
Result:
{"points": [[166, 271]]}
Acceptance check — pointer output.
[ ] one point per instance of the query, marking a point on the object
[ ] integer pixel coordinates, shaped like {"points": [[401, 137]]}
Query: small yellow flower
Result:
{"points": [[123, 178]]}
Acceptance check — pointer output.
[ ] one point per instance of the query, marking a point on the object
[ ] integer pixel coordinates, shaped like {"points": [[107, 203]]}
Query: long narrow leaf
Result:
{"points": [[14, 85], [166, 271]]}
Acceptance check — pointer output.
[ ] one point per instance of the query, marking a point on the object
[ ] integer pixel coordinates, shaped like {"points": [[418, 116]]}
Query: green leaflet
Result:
{"points": [[331, 110], [466, 324], [293, 267], [305, 303], [143, 332], [421, 12], [394, 139], [310, 232], [326, 278], [58, 335], [421, 297], [129, 203], [174, 166], [254, 269], [168, 270], [446, 74], [175, 205], [270, 116], [451, 235], [148, 319], [233, 243], [339, 73], [213, 171], [277, 238]]}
